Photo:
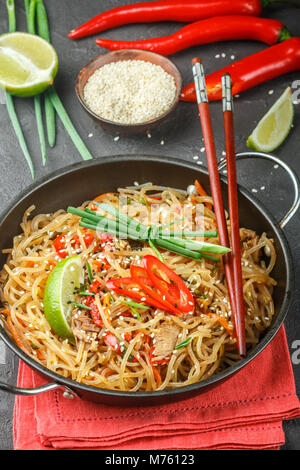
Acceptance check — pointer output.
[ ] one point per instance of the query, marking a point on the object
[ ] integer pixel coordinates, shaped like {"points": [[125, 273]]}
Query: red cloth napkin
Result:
{"points": [[245, 412]]}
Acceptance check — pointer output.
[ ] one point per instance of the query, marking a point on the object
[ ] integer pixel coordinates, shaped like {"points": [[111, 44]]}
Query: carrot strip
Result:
{"points": [[201, 191], [99, 198], [15, 334], [224, 323], [157, 376]]}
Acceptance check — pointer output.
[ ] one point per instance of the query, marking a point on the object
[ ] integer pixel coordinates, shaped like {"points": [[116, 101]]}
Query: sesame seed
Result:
{"points": [[113, 91]]}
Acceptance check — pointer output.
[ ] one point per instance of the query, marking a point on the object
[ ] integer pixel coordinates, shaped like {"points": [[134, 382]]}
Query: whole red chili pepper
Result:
{"points": [[252, 70], [207, 31], [167, 10]]}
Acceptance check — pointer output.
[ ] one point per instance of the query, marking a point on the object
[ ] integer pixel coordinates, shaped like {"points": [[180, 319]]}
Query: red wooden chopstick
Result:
{"points": [[233, 210], [216, 191]]}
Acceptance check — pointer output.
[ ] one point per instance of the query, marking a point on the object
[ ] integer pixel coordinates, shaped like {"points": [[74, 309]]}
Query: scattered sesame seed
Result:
{"points": [[217, 56], [90, 135], [223, 54], [116, 138], [271, 92]]}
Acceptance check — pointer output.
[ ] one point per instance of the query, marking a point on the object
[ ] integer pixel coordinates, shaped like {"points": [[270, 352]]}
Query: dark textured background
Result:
{"points": [[181, 136]]}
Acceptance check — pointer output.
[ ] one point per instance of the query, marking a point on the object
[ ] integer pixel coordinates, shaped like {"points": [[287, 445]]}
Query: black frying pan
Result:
{"points": [[81, 182]]}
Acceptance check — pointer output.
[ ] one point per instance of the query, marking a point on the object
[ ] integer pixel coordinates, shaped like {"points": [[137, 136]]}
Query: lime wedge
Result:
{"points": [[28, 64], [59, 294], [275, 126]]}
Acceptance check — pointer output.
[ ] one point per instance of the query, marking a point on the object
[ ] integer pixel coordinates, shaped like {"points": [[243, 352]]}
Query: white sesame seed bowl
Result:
{"points": [[129, 91]]}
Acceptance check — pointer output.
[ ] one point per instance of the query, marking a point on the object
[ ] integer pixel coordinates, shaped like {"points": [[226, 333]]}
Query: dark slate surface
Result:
{"points": [[181, 136]]}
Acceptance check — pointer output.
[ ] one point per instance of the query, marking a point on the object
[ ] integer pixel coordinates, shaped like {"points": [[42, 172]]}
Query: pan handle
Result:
{"points": [[295, 180], [67, 392]]}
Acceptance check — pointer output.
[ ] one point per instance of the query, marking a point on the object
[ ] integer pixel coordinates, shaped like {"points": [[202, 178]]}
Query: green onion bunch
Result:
{"points": [[125, 227]]}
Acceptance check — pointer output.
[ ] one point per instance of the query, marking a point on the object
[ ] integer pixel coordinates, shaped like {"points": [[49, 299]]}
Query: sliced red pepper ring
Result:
{"points": [[95, 287], [124, 286], [59, 245], [112, 341], [141, 276], [95, 314], [173, 289]]}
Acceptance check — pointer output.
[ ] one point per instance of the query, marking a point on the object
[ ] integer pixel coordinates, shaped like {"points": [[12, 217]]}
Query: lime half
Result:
{"points": [[59, 294], [28, 64], [275, 126]]}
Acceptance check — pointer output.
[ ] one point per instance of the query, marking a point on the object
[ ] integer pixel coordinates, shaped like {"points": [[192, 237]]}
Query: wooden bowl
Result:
{"points": [[117, 128]]}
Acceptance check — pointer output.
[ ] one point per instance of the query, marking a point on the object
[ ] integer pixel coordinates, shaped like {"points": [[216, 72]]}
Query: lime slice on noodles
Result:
{"points": [[28, 64], [274, 127], [59, 294]]}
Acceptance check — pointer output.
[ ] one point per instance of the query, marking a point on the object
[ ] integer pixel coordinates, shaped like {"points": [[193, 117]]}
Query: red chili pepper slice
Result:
{"points": [[172, 287], [89, 301], [141, 276], [95, 287], [112, 341], [105, 239], [59, 245], [124, 286]]}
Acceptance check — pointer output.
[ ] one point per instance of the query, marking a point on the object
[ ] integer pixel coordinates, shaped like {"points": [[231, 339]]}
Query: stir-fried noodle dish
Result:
{"points": [[127, 292]]}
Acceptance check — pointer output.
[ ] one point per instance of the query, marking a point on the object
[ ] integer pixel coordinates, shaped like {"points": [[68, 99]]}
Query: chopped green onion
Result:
{"points": [[89, 272], [77, 304], [184, 343], [136, 314], [156, 251], [86, 293], [143, 201], [134, 304]]}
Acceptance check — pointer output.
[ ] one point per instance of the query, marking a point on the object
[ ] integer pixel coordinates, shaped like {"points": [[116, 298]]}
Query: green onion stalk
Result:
{"points": [[52, 99], [10, 4], [125, 227], [30, 8]]}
